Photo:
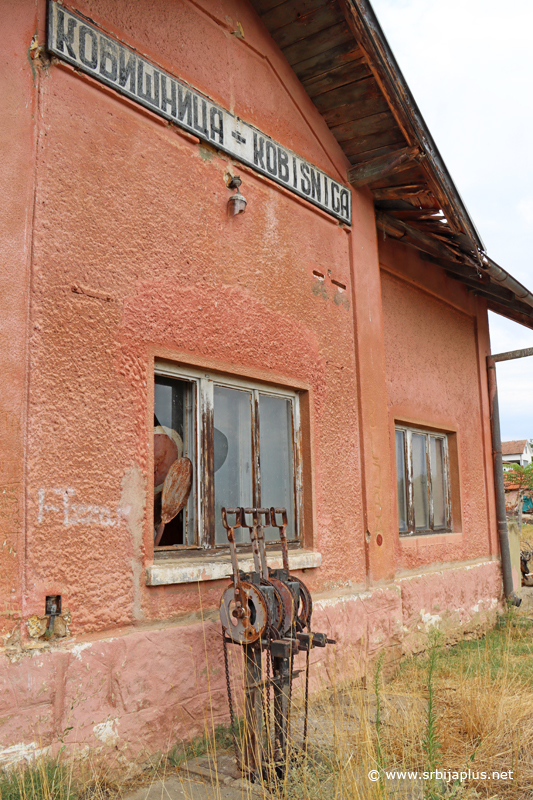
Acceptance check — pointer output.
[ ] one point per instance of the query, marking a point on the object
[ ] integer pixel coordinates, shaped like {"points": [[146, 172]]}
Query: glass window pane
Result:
{"points": [[400, 480], [173, 439], [276, 459], [437, 482], [420, 481], [233, 456]]}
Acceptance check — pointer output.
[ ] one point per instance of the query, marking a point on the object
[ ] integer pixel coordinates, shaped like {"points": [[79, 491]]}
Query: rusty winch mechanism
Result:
{"points": [[267, 611]]}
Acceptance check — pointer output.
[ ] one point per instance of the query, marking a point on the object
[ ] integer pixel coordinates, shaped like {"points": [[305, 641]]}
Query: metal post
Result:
{"points": [[282, 678], [499, 487], [253, 712]]}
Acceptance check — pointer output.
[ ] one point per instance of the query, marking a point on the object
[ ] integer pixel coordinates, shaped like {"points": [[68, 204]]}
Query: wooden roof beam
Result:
{"points": [[368, 34], [383, 166], [510, 313], [399, 229], [409, 193]]}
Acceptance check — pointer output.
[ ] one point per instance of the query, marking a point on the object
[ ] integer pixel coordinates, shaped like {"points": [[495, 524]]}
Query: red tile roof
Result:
{"points": [[514, 447]]}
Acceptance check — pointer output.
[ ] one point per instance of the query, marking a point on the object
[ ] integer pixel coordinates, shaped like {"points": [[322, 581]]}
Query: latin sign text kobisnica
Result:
{"points": [[75, 40]]}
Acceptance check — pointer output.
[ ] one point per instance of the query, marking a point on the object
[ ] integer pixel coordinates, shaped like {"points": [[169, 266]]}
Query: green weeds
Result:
{"points": [[45, 779]]}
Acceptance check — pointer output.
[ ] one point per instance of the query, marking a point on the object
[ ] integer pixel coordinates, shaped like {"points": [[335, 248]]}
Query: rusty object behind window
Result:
{"points": [[239, 443], [174, 458], [176, 490]]}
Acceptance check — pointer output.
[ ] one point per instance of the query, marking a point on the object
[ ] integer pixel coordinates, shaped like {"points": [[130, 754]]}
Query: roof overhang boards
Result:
{"points": [[82, 44], [426, 211], [339, 53]]}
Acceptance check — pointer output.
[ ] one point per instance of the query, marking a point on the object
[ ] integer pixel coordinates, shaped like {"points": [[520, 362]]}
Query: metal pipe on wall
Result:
{"points": [[499, 487], [513, 354], [497, 459]]}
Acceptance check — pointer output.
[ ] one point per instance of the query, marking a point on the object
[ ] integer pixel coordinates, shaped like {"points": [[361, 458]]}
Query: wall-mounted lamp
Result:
{"points": [[236, 203]]}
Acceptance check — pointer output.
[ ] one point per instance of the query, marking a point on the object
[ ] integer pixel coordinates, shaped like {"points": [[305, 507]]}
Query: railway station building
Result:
{"points": [[228, 238]]}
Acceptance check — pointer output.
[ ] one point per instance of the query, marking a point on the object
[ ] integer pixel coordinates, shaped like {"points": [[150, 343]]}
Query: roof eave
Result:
{"points": [[372, 37]]}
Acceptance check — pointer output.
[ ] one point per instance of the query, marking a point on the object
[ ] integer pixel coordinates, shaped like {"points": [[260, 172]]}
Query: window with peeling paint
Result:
{"points": [[422, 480], [221, 442]]}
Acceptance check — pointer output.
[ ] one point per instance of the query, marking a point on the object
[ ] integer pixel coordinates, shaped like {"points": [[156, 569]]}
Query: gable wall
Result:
{"points": [[134, 258]]}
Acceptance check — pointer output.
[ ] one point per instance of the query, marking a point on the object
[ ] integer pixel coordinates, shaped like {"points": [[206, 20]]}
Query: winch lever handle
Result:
{"points": [[230, 530], [274, 512], [259, 513], [253, 538]]}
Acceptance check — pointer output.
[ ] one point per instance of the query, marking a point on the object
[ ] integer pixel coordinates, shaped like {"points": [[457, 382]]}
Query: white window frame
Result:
{"points": [[205, 383], [408, 474]]}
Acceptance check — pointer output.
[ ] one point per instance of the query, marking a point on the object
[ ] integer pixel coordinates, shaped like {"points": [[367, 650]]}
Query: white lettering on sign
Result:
{"points": [[73, 39]]}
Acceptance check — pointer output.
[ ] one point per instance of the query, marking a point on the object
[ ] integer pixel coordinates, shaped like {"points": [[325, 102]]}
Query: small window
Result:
{"points": [[422, 477], [219, 443]]}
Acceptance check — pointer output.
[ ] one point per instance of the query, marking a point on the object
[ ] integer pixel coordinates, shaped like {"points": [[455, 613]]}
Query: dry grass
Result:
{"points": [[484, 702], [475, 711]]}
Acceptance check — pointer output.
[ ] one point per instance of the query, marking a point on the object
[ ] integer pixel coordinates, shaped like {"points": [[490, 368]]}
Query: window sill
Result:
{"points": [[188, 571], [447, 537]]}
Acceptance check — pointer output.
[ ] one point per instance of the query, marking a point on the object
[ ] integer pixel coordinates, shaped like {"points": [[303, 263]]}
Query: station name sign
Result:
{"points": [[75, 40]]}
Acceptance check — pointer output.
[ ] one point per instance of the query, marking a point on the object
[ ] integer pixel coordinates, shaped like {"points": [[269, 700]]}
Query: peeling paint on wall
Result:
{"points": [[39, 627], [11, 756], [133, 498], [107, 732]]}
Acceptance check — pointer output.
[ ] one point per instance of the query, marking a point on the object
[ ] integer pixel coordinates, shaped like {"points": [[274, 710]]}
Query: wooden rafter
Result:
{"points": [[381, 167]]}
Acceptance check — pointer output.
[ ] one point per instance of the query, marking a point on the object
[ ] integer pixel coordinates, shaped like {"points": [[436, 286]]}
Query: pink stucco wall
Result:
{"points": [[120, 251], [136, 257]]}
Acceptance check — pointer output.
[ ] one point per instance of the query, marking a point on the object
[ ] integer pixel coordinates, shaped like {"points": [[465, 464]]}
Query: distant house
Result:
{"points": [[511, 499], [518, 451]]}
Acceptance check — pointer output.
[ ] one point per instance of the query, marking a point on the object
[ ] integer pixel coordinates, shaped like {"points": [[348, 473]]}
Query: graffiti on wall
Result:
{"points": [[60, 501]]}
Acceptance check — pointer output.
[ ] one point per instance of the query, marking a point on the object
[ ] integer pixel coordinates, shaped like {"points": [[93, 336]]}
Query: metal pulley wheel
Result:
{"points": [[288, 605], [306, 604], [277, 609], [249, 627]]}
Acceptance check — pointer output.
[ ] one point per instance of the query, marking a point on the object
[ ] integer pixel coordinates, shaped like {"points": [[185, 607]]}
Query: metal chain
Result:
{"points": [[307, 664], [289, 704], [291, 670], [306, 701], [268, 680], [230, 700]]}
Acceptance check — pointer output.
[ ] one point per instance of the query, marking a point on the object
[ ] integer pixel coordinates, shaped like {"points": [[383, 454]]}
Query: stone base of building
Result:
{"points": [[146, 689]]}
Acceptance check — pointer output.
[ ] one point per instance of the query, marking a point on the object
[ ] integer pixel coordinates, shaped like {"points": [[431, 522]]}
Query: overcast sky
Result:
{"points": [[469, 65]]}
